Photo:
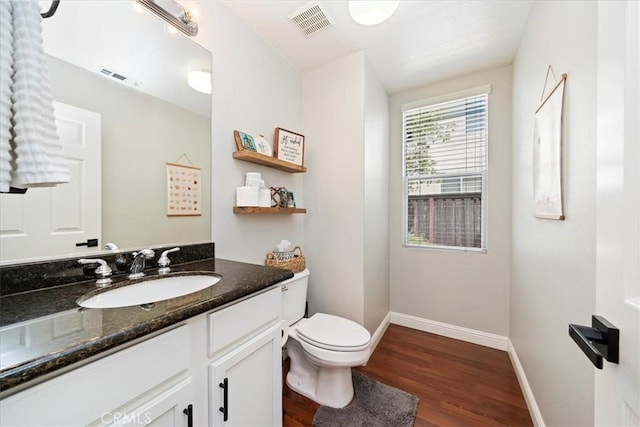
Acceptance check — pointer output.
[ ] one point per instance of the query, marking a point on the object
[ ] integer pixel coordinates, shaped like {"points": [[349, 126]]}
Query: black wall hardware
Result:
{"points": [[52, 10], [188, 411], [224, 385], [90, 243], [600, 340], [14, 190]]}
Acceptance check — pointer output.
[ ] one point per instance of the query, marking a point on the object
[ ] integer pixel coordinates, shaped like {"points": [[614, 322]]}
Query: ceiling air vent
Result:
{"points": [[311, 19], [120, 77]]}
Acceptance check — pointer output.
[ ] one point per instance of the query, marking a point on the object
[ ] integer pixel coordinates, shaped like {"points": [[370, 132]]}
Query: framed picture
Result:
{"points": [[263, 146], [291, 200], [289, 146], [244, 141]]}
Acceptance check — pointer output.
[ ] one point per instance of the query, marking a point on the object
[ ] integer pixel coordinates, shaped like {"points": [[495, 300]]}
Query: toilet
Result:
{"points": [[322, 348]]}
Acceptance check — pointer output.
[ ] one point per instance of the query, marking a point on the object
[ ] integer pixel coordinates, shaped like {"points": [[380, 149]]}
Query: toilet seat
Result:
{"points": [[333, 333]]}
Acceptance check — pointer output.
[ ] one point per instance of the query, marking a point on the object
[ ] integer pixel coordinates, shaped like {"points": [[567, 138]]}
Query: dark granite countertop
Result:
{"points": [[45, 330]]}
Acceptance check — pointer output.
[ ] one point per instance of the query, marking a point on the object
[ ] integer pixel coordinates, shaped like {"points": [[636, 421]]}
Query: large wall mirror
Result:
{"points": [[119, 79]]}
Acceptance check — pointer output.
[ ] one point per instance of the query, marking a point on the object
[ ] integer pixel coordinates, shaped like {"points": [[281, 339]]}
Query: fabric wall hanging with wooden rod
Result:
{"points": [[547, 151], [184, 188]]}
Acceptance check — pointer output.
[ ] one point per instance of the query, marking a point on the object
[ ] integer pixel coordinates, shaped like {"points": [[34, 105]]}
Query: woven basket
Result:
{"points": [[297, 263]]}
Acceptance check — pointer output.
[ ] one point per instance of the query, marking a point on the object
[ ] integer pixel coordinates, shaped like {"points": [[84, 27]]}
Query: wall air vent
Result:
{"points": [[311, 19], [119, 77]]}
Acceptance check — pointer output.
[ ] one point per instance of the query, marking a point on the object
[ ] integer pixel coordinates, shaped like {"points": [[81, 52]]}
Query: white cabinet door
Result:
{"points": [[116, 385], [246, 384], [169, 408]]}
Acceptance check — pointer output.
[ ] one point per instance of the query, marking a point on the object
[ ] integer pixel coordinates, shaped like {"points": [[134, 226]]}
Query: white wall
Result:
{"points": [[466, 289], [553, 274], [254, 91], [346, 188], [376, 200], [334, 230]]}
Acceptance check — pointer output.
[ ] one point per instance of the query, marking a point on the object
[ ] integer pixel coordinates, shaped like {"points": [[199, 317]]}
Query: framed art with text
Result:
{"points": [[289, 146]]}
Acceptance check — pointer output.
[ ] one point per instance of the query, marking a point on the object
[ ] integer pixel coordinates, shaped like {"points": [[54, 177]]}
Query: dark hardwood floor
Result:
{"points": [[458, 384]]}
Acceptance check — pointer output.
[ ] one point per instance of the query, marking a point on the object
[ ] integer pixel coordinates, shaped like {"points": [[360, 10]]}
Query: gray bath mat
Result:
{"points": [[375, 405]]}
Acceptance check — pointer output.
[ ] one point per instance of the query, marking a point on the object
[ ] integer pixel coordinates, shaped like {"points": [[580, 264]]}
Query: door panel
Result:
{"points": [[617, 386], [254, 383], [50, 221]]}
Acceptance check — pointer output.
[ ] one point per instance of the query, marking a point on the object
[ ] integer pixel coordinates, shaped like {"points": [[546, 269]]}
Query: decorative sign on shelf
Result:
{"points": [[244, 141], [184, 190], [289, 146]]}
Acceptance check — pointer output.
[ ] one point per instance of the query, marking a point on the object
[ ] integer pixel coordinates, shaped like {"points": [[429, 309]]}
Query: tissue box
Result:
{"points": [[284, 256], [247, 196], [264, 197]]}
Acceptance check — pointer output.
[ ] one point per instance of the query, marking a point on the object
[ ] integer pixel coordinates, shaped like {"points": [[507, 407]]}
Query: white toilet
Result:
{"points": [[322, 348]]}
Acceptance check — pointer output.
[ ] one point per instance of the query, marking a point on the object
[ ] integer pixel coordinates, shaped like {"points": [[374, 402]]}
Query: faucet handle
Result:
{"points": [[164, 261], [103, 270], [148, 253]]}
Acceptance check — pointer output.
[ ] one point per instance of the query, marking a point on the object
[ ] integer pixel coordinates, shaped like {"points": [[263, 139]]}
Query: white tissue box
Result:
{"points": [[264, 198], [247, 196]]}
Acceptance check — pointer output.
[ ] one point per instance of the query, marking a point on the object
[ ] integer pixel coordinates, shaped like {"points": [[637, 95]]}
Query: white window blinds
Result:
{"points": [[445, 164]]}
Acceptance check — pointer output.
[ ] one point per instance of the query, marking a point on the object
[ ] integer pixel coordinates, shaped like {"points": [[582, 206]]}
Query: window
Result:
{"points": [[445, 166]]}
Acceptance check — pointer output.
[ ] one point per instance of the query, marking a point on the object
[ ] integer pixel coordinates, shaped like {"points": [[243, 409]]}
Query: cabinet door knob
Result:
{"points": [[224, 385]]}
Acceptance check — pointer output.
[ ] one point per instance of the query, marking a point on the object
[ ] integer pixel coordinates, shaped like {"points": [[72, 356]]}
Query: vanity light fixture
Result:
{"points": [[200, 81], [174, 14], [372, 12]]}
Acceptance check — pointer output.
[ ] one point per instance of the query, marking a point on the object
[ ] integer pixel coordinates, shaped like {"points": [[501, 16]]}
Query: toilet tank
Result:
{"points": [[294, 296]]}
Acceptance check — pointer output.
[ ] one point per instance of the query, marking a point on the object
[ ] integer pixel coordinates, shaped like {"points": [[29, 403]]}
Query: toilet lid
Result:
{"points": [[333, 333]]}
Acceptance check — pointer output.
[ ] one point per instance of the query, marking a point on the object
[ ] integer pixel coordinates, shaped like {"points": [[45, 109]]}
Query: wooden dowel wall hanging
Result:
{"points": [[184, 188], [547, 151]]}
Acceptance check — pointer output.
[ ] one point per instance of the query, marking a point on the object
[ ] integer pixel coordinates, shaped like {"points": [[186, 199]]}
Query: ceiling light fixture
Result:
{"points": [[200, 81], [173, 13], [372, 12]]}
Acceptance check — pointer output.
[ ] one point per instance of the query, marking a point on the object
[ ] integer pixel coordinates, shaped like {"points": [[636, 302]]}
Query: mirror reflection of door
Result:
{"points": [[50, 221]]}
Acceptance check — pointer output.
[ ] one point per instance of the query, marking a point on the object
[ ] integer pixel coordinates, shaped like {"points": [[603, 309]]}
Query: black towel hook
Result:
{"points": [[52, 9]]}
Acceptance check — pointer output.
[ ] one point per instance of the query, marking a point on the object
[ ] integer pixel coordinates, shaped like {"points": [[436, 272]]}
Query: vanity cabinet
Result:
{"points": [[245, 375], [172, 379], [243, 388], [146, 382], [171, 407]]}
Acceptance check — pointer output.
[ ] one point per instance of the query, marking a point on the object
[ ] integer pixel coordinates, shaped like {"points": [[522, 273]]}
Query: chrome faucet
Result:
{"points": [[139, 260], [103, 271], [164, 261]]}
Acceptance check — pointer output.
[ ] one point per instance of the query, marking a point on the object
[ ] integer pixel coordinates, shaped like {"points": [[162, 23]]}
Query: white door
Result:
{"points": [[617, 393], [46, 222], [245, 387]]}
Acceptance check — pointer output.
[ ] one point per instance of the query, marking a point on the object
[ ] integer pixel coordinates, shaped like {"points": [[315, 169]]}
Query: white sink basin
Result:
{"points": [[149, 291]]}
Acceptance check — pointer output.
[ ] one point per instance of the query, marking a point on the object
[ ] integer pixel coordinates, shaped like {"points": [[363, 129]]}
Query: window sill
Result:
{"points": [[446, 248]]}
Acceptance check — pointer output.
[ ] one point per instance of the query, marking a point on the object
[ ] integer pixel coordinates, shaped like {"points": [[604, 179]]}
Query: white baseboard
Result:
{"points": [[377, 335], [534, 410], [486, 339]]}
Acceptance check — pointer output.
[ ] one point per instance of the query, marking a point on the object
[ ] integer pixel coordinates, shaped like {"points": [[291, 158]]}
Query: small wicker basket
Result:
{"points": [[289, 260]]}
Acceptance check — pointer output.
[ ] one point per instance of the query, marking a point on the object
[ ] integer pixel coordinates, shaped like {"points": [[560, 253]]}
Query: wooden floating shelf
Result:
{"points": [[259, 210], [261, 159]]}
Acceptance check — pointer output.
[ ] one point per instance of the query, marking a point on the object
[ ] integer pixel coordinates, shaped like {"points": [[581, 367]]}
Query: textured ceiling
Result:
{"points": [[423, 42]]}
